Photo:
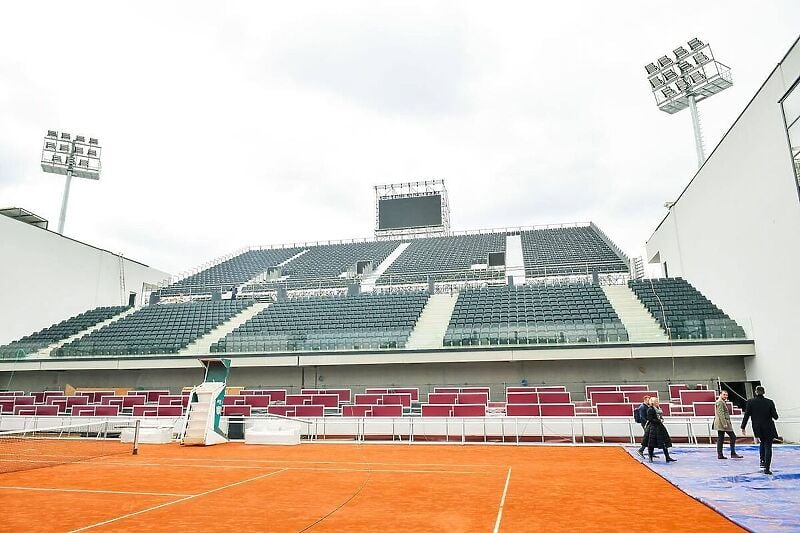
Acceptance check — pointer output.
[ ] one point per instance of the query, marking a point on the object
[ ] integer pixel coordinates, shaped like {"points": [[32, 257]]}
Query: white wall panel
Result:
{"points": [[735, 234], [45, 278]]}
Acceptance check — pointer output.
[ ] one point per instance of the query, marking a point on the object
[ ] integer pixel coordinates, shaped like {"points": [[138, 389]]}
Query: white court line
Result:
{"points": [[123, 517], [212, 460], [318, 469], [502, 502], [392, 471], [91, 491]]}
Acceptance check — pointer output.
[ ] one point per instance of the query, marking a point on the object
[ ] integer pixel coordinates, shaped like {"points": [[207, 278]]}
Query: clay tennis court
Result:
{"points": [[348, 487]]}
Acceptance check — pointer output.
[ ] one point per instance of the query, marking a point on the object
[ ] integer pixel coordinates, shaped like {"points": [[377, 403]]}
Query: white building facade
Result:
{"points": [[46, 278], [734, 232]]}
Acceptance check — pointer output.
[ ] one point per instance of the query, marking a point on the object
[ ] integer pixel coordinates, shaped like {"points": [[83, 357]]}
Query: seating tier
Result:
{"points": [[58, 332], [564, 251], [682, 311], [534, 314], [155, 329], [365, 321]]}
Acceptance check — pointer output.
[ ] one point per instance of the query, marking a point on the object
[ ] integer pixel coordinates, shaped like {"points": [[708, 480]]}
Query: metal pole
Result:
{"points": [[64, 199], [698, 135]]}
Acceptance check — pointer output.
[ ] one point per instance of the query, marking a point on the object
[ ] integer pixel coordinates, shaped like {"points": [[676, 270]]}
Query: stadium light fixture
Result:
{"points": [[65, 155], [701, 76]]}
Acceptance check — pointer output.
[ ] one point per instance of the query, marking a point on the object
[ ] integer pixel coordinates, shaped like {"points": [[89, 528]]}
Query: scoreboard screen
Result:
{"points": [[414, 212]]}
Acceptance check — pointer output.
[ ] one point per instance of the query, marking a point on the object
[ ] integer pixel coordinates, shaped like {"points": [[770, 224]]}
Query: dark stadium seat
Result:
{"points": [[231, 272], [569, 250], [683, 312], [366, 321], [155, 329], [58, 332], [533, 314], [323, 265], [446, 259]]}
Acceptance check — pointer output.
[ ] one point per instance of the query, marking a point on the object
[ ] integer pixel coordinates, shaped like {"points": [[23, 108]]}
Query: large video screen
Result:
{"points": [[418, 212]]}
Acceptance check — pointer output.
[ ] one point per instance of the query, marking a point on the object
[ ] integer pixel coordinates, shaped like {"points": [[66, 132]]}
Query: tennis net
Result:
{"points": [[41, 447]]}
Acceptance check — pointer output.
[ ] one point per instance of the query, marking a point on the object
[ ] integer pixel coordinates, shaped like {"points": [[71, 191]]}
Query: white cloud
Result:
{"points": [[253, 123]]}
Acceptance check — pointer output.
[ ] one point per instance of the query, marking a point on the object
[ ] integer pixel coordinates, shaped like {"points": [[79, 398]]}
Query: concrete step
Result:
{"points": [[515, 263], [432, 324], [369, 281], [640, 324]]}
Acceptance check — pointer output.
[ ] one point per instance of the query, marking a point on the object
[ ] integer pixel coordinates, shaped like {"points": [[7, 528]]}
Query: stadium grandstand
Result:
{"points": [[501, 338]]}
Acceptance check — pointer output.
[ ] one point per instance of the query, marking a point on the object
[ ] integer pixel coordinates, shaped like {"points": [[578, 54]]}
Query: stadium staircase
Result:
{"points": [[432, 324], [641, 325], [515, 262], [203, 344], [45, 352], [369, 281]]}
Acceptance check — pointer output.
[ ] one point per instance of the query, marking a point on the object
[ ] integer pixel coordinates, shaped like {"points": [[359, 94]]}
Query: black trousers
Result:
{"points": [[721, 441], [765, 452]]}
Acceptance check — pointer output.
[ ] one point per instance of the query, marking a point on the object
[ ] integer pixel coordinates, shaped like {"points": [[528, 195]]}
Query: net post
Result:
{"points": [[135, 450]]}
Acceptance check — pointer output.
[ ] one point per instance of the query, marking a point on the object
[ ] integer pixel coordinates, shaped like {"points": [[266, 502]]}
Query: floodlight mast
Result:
{"points": [[699, 78], [72, 156]]}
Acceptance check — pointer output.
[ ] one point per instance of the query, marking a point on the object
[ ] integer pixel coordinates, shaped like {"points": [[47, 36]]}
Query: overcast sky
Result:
{"points": [[230, 125]]}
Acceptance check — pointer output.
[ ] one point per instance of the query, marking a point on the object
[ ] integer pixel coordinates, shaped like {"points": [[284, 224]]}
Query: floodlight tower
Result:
{"points": [[70, 155], [698, 76]]}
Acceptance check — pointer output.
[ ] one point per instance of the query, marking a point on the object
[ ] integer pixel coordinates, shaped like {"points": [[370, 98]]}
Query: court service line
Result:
{"points": [[387, 470], [92, 491], [214, 459], [311, 468], [502, 502], [181, 500]]}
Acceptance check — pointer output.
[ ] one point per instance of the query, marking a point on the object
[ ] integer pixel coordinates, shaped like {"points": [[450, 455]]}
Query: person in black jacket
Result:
{"points": [[655, 433], [640, 416], [763, 413]]}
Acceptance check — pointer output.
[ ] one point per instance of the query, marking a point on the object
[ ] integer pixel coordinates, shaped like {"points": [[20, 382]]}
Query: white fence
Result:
{"points": [[509, 429]]}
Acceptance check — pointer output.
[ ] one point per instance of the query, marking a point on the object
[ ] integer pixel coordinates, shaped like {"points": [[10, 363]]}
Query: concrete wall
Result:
{"points": [[575, 375], [45, 278], [735, 234]]}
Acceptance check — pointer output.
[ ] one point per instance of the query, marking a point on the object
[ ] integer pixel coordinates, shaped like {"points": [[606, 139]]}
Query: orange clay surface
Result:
{"points": [[352, 488]]}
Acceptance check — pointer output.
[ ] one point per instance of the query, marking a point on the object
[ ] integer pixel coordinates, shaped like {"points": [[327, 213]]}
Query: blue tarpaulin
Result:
{"points": [[737, 488]]}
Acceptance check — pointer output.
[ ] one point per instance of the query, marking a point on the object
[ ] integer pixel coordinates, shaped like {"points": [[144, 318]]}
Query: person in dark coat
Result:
{"points": [[640, 416], [762, 411], [655, 433]]}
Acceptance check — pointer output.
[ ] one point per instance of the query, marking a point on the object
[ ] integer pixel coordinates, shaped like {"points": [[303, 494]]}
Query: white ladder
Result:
{"points": [[201, 416]]}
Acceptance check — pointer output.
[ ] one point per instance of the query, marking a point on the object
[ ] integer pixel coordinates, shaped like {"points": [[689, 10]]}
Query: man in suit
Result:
{"points": [[762, 411], [722, 425]]}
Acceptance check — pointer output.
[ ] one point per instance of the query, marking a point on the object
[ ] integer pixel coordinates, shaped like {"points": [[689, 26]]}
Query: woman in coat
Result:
{"points": [[655, 433]]}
